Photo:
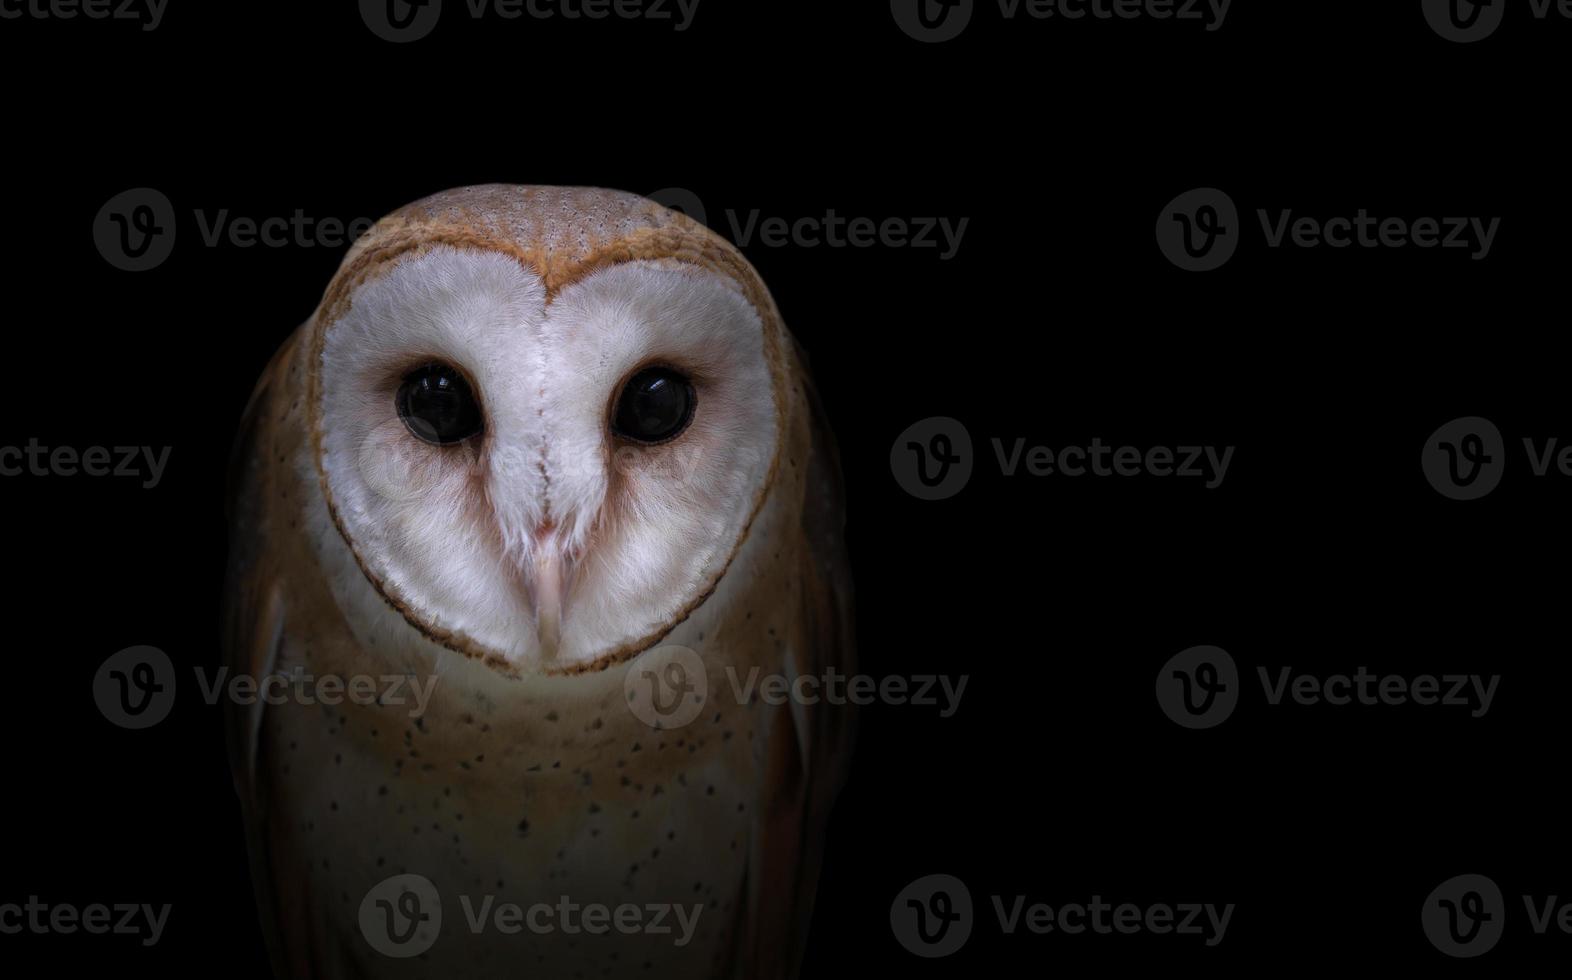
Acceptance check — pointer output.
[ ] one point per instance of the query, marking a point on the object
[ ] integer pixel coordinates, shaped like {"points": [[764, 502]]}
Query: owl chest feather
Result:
{"points": [[537, 790]]}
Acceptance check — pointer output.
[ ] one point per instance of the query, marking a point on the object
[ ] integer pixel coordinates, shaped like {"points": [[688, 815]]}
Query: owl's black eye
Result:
{"points": [[438, 405], [655, 405]]}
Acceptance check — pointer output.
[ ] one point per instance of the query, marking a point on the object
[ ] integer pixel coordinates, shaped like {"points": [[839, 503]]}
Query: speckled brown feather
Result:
{"points": [[806, 762]]}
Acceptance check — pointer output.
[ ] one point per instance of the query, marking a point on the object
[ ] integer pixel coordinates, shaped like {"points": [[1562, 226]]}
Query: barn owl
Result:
{"points": [[536, 448]]}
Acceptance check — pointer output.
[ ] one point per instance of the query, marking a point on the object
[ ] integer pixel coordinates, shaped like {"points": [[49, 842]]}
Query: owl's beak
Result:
{"points": [[548, 580]]}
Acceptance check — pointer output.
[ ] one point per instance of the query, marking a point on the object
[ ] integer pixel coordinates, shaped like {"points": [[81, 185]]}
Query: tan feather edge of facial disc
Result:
{"points": [[693, 245]]}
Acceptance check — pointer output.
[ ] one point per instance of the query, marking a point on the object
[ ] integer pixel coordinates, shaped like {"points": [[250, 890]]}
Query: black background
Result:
{"points": [[1058, 320]]}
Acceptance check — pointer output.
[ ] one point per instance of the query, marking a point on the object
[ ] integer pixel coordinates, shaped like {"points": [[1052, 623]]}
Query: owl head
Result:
{"points": [[543, 418]]}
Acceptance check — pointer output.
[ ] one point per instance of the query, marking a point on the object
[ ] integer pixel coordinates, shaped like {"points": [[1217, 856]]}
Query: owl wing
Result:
{"points": [[255, 630], [808, 751]]}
